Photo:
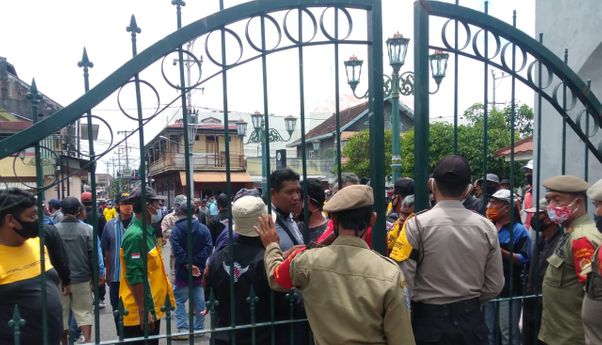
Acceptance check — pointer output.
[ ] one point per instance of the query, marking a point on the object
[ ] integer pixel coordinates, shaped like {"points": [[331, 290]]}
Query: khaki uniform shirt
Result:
{"points": [[562, 292], [450, 254], [352, 295]]}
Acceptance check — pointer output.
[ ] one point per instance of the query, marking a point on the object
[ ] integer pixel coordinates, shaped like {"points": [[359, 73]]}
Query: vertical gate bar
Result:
{"points": [[337, 101], [456, 83], [302, 115], [86, 64], [586, 153], [421, 106], [512, 207], [485, 114], [564, 116], [266, 129], [537, 171], [134, 29], [34, 96], [189, 166], [228, 173], [377, 123]]}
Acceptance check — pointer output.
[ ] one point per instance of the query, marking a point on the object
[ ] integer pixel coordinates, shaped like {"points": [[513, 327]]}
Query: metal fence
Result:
{"points": [[525, 59]]}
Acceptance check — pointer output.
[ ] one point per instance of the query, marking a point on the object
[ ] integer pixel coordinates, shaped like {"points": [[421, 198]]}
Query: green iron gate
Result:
{"points": [[533, 60], [324, 29]]}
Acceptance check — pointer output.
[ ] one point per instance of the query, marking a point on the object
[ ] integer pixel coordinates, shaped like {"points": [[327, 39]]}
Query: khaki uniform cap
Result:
{"points": [[566, 184], [349, 198], [595, 191]]}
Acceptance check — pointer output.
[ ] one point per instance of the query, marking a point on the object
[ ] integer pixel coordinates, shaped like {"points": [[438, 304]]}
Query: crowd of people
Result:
{"points": [[483, 265]]}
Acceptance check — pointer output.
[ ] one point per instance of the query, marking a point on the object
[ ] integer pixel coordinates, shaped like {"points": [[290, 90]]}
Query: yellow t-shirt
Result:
{"points": [[22, 262]]}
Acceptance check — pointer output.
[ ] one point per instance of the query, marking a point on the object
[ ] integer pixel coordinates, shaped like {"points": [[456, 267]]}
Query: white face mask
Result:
{"points": [[155, 218]]}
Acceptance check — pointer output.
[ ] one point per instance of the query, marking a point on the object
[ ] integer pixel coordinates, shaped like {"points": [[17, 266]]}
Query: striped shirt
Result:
{"points": [[112, 237]]}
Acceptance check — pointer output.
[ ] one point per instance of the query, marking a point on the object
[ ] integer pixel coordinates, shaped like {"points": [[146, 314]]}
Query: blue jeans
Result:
{"points": [[198, 296], [503, 322]]}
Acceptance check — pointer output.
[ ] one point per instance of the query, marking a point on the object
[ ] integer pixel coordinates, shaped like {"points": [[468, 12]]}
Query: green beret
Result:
{"points": [[595, 191], [566, 184], [350, 197]]}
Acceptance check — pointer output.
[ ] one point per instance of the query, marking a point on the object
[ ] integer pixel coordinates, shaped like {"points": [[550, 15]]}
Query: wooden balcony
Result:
{"points": [[201, 162]]}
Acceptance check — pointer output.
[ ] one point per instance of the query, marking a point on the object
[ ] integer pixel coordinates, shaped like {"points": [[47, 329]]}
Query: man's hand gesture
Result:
{"points": [[266, 230]]}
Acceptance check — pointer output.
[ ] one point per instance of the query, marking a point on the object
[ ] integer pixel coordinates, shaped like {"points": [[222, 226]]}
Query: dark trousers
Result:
{"points": [[459, 323], [114, 297], [136, 331], [531, 321], [102, 291]]}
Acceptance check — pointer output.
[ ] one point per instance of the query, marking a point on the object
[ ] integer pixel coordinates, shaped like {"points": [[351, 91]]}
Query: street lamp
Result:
{"points": [[259, 136], [397, 47], [241, 128], [316, 146]]}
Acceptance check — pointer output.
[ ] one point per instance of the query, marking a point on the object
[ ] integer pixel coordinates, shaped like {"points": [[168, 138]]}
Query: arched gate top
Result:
{"points": [[138, 63]]}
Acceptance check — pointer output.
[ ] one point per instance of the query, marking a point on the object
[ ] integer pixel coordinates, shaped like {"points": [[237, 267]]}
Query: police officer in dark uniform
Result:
{"points": [[452, 261]]}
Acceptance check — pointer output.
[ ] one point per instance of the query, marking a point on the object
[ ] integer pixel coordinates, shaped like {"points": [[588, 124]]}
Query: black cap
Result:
{"points": [[404, 186], [315, 192], [222, 201], [123, 198], [150, 194], [70, 205], [452, 169], [245, 192]]}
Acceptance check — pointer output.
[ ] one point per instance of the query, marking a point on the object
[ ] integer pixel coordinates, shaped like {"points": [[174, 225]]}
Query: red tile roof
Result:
{"points": [[14, 126], [329, 125], [522, 146]]}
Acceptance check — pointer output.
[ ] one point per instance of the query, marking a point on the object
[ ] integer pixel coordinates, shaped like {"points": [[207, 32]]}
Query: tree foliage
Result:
{"points": [[441, 137], [357, 153]]}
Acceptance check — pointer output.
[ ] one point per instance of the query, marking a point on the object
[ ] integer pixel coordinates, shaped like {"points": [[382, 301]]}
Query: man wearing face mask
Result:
{"points": [[110, 242], [547, 239], [591, 311], [452, 261], [564, 279], [515, 246], [317, 221], [139, 244], [20, 272]]}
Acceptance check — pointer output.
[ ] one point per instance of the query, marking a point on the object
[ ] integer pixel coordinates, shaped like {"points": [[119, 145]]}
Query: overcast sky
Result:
{"points": [[44, 39]]}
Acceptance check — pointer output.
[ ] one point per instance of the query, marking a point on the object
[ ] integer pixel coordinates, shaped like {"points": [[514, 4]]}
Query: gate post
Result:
{"points": [[421, 106], [377, 124]]}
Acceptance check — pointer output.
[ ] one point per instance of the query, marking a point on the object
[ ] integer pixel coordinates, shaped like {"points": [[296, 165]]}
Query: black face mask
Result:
{"points": [[30, 229], [537, 226], [529, 179], [491, 189], [598, 220]]}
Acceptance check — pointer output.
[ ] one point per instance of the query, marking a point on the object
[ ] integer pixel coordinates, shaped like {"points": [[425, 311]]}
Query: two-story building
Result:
{"points": [[63, 170], [166, 159]]}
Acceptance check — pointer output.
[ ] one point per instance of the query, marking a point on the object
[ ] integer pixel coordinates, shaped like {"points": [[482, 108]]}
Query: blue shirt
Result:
{"points": [[521, 241], [112, 236]]}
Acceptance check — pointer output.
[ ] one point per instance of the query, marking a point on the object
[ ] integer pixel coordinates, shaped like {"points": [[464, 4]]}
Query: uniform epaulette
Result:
{"points": [[386, 258]]}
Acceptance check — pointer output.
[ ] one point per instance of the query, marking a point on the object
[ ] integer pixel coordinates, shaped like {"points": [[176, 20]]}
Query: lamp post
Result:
{"points": [[396, 84], [316, 146], [259, 136]]}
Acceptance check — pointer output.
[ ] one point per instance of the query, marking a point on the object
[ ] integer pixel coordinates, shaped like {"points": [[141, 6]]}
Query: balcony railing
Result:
{"points": [[200, 161]]}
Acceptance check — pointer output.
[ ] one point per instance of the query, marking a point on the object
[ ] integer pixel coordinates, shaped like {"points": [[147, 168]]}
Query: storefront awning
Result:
{"points": [[217, 177]]}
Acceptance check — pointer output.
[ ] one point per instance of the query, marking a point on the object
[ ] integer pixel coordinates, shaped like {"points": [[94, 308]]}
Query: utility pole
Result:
{"points": [[127, 160], [495, 79]]}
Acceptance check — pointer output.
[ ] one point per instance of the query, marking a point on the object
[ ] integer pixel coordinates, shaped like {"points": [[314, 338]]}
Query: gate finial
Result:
{"points": [[133, 28], [86, 63]]}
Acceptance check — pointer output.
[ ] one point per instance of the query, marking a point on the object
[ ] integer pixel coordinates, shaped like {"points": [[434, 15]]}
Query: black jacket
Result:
{"points": [[57, 253], [249, 270]]}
